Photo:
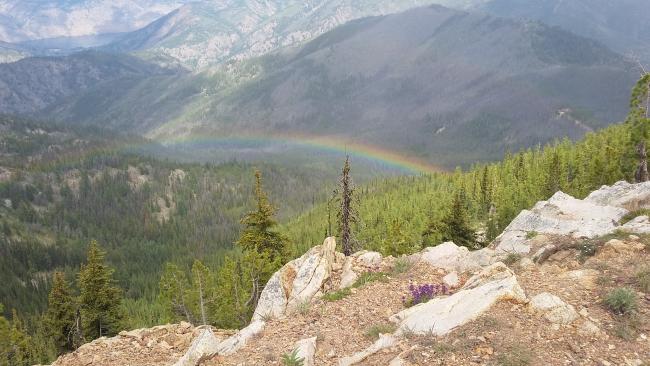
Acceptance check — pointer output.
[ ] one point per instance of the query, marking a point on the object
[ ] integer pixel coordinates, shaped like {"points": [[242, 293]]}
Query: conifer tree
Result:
{"points": [[259, 225], [20, 350], [639, 119], [100, 299], [347, 214], [201, 292], [457, 227], [5, 338], [173, 292], [60, 318]]}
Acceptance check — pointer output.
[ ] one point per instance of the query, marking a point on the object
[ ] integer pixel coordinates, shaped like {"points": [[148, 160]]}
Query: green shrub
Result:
{"points": [[511, 259], [643, 279], [515, 356], [634, 214], [292, 359], [402, 265], [531, 234], [377, 329], [621, 301], [337, 295]]}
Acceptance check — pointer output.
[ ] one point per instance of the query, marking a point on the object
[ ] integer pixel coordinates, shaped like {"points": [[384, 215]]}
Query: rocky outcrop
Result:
{"points": [[555, 310], [560, 215], [625, 195], [202, 348], [296, 282], [638, 225], [441, 315], [239, 340], [160, 345], [384, 341], [451, 257], [306, 349]]}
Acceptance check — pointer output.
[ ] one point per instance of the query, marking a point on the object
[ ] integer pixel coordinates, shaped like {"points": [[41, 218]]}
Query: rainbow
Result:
{"points": [[322, 143]]}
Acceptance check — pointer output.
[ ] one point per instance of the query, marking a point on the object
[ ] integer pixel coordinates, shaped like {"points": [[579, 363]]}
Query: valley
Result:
{"points": [[304, 183]]}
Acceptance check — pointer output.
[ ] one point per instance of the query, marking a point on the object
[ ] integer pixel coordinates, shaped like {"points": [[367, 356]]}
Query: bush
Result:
{"points": [[643, 279], [292, 359], [423, 293], [634, 214], [621, 301], [511, 259], [402, 265], [377, 329], [531, 234], [516, 356]]}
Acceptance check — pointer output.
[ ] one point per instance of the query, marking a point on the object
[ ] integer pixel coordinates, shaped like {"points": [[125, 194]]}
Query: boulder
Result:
{"points": [[631, 197], [615, 247], [446, 255], [560, 215], [384, 341], [239, 340], [638, 225], [585, 277], [555, 310], [451, 280], [370, 259], [296, 282], [348, 275], [306, 350], [441, 315], [202, 348]]}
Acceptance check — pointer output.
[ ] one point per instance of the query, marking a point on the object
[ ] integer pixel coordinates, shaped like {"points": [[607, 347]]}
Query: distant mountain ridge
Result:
{"points": [[446, 85], [205, 33], [22, 20]]}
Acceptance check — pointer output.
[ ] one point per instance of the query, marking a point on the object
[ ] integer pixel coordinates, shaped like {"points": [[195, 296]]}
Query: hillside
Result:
{"points": [[32, 84], [622, 25], [447, 86], [575, 291], [60, 188], [205, 33], [22, 20]]}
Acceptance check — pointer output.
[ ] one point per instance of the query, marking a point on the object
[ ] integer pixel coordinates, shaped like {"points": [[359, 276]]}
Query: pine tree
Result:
{"points": [[200, 295], [259, 225], [456, 223], [5, 338], [639, 119], [173, 289], [20, 350], [347, 213], [60, 318], [100, 299]]}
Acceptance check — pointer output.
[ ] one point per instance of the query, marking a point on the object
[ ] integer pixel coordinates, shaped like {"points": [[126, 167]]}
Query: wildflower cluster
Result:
{"points": [[424, 293]]}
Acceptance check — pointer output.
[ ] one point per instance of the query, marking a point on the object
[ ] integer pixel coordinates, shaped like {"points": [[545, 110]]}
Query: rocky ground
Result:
{"points": [[541, 294], [510, 333]]}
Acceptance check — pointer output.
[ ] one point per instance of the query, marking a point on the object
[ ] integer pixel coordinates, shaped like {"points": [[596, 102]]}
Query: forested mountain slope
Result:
{"points": [[60, 188], [35, 83], [445, 85]]}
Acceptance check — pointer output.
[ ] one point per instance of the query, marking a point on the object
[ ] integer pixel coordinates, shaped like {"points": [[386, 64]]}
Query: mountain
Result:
{"points": [[31, 84], [622, 25], [22, 20], [209, 32], [445, 85], [11, 53]]}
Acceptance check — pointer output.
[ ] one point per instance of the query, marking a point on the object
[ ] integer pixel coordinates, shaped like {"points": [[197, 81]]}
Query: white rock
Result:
{"points": [[239, 340], [588, 328], [370, 259], [203, 347], [441, 315], [477, 260], [556, 311], [560, 215], [296, 282], [348, 275], [447, 256], [623, 194], [451, 280], [397, 361], [526, 263], [638, 225], [306, 350], [384, 341]]}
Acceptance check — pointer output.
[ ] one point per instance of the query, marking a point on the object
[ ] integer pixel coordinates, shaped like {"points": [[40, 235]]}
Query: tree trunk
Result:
{"points": [[641, 174]]}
